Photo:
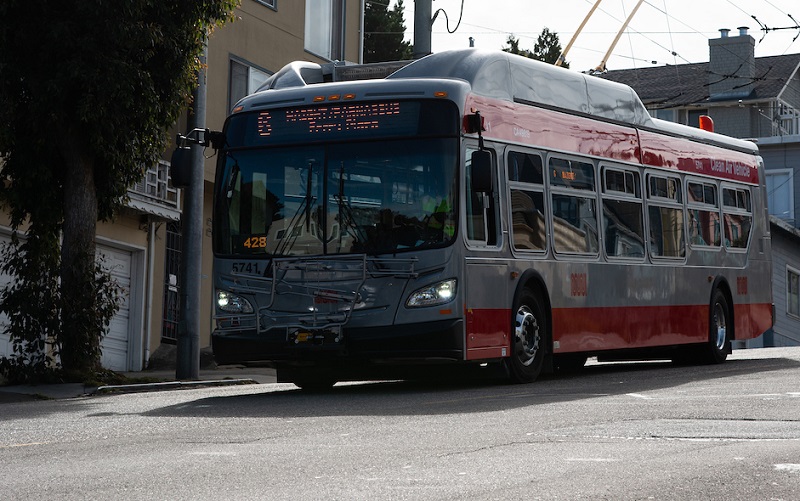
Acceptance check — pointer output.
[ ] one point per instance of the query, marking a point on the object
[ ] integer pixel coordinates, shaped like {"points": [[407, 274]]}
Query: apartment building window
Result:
{"points": [[780, 193], [272, 4], [792, 292], [789, 119], [244, 79], [324, 31]]}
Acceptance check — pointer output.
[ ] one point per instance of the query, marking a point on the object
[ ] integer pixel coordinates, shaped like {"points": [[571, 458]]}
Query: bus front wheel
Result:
{"points": [[529, 336]]}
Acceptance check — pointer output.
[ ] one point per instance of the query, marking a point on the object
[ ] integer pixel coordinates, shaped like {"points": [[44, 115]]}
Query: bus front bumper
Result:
{"points": [[440, 340]]}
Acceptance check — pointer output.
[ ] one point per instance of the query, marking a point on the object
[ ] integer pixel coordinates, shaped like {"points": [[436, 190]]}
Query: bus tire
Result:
{"points": [[720, 329], [529, 337]]}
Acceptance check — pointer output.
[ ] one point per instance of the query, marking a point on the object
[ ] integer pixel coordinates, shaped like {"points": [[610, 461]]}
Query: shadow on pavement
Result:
{"points": [[455, 397]]}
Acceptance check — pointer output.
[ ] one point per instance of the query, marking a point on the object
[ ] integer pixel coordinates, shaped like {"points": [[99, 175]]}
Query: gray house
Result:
{"points": [[785, 286], [749, 98]]}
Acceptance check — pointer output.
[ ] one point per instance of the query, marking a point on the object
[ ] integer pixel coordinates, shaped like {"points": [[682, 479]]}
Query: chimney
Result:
{"points": [[731, 65]]}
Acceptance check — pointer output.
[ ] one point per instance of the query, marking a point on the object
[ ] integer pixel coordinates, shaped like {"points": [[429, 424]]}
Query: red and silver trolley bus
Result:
{"points": [[478, 207]]}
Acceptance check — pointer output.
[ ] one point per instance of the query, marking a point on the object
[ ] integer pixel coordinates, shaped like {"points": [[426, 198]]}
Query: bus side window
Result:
{"points": [[526, 186], [574, 206], [737, 217], [622, 219], [703, 210], [482, 216], [665, 216]]}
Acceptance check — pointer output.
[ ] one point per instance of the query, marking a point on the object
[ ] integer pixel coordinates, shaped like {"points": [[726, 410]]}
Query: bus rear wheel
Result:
{"points": [[529, 331], [720, 330]]}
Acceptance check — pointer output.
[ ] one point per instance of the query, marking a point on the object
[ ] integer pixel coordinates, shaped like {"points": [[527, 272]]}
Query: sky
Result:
{"points": [[658, 29]]}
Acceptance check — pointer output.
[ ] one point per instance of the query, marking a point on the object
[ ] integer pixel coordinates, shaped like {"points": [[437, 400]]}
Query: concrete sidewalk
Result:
{"points": [[217, 376]]}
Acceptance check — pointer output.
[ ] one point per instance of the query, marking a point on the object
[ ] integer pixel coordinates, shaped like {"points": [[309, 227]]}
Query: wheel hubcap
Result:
{"points": [[721, 327], [527, 334]]}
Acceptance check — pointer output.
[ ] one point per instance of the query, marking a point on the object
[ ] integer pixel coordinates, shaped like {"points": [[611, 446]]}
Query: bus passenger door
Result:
{"points": [[486, 276]]}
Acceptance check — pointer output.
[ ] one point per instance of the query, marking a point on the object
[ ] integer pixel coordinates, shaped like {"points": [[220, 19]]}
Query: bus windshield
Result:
{"points": [[378, 197]]}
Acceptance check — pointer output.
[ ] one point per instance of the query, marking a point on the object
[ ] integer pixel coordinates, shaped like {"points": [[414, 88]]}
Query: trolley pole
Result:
{"points": [[188, 353], [422, 27]]}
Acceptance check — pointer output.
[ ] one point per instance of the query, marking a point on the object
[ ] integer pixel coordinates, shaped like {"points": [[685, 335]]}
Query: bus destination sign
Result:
{"points": [[343, 121], [331, 118]]}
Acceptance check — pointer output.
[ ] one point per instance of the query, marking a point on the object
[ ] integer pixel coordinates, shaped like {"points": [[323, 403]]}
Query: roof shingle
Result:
{"points": [[681, 85]]}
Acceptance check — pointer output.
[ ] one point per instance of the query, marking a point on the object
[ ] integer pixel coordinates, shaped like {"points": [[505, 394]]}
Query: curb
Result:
{"points": [[171, 385]]}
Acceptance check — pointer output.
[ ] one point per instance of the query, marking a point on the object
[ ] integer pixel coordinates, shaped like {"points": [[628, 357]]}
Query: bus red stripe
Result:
{"points": [[610, 328]]}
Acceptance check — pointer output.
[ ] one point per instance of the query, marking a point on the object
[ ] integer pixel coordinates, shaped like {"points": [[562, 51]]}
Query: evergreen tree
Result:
{"points": [[384, 31], [547, 47], [513, 48]]}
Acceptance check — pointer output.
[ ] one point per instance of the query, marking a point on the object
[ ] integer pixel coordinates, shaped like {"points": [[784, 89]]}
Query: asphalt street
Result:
{"points": [[620, 431]]}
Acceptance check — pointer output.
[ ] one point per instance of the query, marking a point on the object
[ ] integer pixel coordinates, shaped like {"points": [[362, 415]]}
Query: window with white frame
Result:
{"points": [[780, 193], [244, 79], [324, 31], [792, 291]]}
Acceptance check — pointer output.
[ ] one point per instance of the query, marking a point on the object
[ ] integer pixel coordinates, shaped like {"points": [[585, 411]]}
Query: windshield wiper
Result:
{"points": [[346, 217], [232, 181], [285, 243], [234, 176]]}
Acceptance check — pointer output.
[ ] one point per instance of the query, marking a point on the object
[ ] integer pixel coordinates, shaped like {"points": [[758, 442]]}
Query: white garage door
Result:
{"points": [[115, 345]]}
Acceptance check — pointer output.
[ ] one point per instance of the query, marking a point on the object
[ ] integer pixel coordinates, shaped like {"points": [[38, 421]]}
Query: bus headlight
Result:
{"points": [[440, 293], [232, 303]]}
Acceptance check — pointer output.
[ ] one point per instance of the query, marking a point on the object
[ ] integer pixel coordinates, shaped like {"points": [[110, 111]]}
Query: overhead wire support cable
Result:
{"points": [[447, 19]]}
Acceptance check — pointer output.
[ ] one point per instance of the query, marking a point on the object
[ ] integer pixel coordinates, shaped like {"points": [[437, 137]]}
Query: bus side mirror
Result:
{"points": [[181, 164], [180, 168], [481, 171]]}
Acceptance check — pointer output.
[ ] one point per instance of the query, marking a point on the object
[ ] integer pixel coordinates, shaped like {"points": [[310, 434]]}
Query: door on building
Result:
{"points": [[172, 280], [116, 345]]}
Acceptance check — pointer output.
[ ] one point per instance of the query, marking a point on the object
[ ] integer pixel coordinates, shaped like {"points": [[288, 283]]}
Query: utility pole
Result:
{"points": [[188, 353], [422, 27]]}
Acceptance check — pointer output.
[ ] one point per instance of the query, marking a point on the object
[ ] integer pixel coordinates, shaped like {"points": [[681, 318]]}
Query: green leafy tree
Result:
{"points": [[88, 91], [384, 31], [547, 47]]}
